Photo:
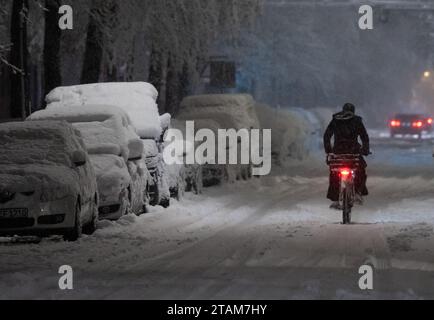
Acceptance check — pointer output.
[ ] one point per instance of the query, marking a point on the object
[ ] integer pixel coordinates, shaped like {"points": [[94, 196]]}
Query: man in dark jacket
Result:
{"points": [[346, 128]]}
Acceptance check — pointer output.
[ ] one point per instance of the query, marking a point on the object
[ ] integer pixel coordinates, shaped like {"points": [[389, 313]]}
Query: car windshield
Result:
{"points": [[33, 146], [100, 138]]}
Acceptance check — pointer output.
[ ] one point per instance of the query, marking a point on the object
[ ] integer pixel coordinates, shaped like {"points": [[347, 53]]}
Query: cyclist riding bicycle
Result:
{"points": [[346, 128]]}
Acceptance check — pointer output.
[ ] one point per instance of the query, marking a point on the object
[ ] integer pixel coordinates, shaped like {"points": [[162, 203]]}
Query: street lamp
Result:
{"points": [[427, 74]]}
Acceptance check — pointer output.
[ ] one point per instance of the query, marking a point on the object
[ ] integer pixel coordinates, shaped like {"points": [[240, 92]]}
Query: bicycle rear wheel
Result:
{"points": [[346, 206]]}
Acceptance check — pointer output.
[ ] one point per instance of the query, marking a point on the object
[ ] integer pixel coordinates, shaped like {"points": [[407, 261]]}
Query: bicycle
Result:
{"points": [[346, 167]]}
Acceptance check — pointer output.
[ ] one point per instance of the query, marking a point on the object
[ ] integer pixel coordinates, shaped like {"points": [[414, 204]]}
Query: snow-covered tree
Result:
{"points": [[4, 30], [174, 36]]}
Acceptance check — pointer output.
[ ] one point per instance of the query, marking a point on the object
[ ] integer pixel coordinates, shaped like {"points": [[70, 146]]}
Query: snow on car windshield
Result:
{"points": [[102, 138], [35, 143]]}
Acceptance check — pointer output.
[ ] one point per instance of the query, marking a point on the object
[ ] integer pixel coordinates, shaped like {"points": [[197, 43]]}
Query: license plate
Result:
{"points": [[13, 213]]}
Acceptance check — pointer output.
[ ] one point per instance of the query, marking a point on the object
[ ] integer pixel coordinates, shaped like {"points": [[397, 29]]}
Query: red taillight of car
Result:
{"points": [[430, 121], [345, 173], [418, 124], [395, 123]]}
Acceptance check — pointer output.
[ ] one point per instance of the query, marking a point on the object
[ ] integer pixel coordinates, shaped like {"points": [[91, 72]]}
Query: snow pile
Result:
{"points": [[165, 121], [229, 110], [137, 99], [105, 129], [36, 156]]}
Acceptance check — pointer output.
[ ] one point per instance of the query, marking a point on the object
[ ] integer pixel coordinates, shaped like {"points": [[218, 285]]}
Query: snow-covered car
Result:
{"points": [[296, 133], [184, 177], [138, 101], [47, 183], [159, 192], [115, 152], [175, 174], [221, 111]]}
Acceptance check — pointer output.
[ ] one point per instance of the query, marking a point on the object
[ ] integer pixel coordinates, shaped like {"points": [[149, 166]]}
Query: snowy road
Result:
{"points": [[272, 238]]}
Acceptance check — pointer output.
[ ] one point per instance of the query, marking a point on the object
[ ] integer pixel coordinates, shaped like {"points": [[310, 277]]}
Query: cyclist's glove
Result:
{"points": [[366, 152]]}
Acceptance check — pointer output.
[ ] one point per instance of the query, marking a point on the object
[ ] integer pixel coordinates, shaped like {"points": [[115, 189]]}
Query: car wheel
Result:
{"points": [[179, 194], [146, 200], [91, 227], [165, 203], [154, 195], [198, 183], [75, 232]]}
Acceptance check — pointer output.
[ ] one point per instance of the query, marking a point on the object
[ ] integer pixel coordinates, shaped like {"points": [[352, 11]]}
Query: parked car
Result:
{"points": [[175, 174], [115, 152], [138, 101], [221, 111], [159, 192], [47, 183], [184, 177], [410, 124]]}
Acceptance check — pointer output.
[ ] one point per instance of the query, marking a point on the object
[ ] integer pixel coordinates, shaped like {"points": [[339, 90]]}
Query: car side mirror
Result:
{"points": [[79, 158]]}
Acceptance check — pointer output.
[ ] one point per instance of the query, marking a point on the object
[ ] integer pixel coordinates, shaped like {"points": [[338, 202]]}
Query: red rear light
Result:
{"points": [[418, 124], [345, 172], [395, 123], [430, 121]]}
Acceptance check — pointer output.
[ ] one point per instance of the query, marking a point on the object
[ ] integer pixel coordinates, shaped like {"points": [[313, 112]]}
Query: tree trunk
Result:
{"points": [[178, 87], [18, 58], [52, 74], [158, 77], [93, 55]]}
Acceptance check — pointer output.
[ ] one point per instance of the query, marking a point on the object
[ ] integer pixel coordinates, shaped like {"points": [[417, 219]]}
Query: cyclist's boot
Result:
{"points": [[335, 205], [358, 199]]}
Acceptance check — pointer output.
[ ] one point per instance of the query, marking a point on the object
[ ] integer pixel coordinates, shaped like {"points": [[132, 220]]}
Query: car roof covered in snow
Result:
{"points": [[137, 99], [82, 113], [229, 110], [105, 129], [42, 142]]}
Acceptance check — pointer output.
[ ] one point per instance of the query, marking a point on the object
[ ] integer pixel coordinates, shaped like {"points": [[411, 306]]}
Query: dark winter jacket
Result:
{"points": [[346, 128]]}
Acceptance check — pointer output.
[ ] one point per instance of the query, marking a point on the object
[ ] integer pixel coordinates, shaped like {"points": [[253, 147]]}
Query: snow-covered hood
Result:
{"points": [[53, 182], [111, 173]]}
